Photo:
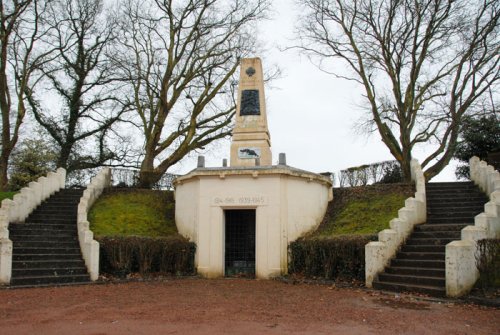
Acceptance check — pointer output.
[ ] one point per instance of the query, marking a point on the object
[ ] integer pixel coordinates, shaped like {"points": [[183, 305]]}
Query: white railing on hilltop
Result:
{"points": [[461, 270], [89, 246], [18, 209], [379, 253]]}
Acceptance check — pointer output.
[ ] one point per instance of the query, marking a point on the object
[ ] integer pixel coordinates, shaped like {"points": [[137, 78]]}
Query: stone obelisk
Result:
{"points": [[251, 142]]}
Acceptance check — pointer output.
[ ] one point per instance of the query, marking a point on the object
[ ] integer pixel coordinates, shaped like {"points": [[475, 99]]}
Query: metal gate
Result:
{"points": [[240, 243]]}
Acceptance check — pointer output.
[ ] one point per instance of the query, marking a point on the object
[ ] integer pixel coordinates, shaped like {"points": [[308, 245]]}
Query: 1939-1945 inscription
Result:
{"points": [[250, 102]]}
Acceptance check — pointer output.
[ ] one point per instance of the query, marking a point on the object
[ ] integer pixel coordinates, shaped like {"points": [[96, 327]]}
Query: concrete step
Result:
{"points": [[56, 211], [51, 263], [453, 206], [40, 217], [417, 271], [49, 237], [439, 227], [44, 244], [49, 271], [52, 220], [423, 248], [41, 228], [421, 255], [402, 287], [47, 256], [42, 280], [448, 185], [470, 200], [412, 279], [45, 251], [436, 234], [452, 214], [429, 241], [420, 263], [466, 221]]}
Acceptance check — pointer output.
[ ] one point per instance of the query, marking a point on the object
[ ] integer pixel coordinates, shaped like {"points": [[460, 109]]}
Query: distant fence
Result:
{"points": [[121, 177], [381, 172]]}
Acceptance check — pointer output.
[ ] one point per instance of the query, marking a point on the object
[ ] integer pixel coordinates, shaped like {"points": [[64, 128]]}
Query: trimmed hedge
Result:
{"points": [[488, 263], [122, 255], [339, 257]]}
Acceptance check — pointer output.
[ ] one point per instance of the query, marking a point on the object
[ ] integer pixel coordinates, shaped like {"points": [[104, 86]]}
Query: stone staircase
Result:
{"points": [[46, 250], [420, 264]]}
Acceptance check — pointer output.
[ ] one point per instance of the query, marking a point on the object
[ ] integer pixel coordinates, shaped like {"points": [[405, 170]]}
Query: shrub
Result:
{"points": [[488, 263], [382, 172], [339, 257], [122, 255]]}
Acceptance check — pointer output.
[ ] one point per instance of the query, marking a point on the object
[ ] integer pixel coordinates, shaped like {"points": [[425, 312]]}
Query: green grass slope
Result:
{"points": [[6, 195], [133, 213], [363, 210]]}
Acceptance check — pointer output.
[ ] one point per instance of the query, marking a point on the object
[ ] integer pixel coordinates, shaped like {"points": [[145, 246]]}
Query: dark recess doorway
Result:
{"points": [[240, 243]]}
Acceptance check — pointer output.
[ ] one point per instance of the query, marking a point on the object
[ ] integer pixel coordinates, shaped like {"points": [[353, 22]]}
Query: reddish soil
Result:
{"points": [[230, 306]]}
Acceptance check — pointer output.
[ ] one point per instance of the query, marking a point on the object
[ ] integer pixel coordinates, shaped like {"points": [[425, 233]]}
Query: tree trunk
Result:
{"points": [[406, 169], [148, 176], [62, 160], [4, 163]]}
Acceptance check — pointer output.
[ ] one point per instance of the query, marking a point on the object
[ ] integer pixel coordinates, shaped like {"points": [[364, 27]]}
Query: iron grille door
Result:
{"points": [[240, 243]]}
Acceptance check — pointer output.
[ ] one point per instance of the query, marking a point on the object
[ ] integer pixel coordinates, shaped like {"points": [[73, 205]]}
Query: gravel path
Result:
{"points": [[232, 306]]}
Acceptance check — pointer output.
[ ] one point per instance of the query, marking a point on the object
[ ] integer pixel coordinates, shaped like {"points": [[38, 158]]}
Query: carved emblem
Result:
{"points": [[248, 153], [250, 71]]}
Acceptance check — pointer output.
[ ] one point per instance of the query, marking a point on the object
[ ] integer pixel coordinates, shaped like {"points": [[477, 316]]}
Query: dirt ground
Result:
{"points": [[232, 306]]}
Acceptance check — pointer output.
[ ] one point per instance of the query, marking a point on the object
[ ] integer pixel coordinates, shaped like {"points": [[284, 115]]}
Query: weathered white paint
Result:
{"points": [[89, 246], [378, 254], [288, 203], [18, 209], [460, 267], [461, 270]]}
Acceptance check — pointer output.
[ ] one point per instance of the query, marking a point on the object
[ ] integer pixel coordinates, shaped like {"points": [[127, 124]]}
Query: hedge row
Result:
{"points": [[340, 257], [488, 263], [122, 255], [387, 172]]}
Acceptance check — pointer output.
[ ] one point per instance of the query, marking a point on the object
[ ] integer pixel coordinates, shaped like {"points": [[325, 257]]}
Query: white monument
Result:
{"points": [[243, 217]]}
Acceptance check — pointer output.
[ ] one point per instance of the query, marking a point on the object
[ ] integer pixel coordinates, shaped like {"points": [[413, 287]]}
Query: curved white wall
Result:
{"points": [[288, 203]]}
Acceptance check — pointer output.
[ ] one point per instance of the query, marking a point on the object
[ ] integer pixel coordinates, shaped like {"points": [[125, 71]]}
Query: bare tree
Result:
{"points": [[19, 33], [179, 58], [424, 65], [81, 78]]}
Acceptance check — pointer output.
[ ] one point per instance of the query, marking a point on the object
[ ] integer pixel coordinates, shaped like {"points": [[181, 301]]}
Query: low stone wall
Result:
{"points": [[379, 253], [461, 270], [89, 246], [18, 209]]}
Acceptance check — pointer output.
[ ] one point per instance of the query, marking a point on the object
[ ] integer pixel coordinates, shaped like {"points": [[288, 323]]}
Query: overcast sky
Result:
{"points": [[311, 114]]}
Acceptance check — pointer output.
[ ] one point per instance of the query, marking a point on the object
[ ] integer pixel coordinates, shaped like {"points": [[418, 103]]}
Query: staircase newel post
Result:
{"points": [[19, 213], [493, 176], [36, 193], [473, 167], [61, 172], [6, 210], [401, 226], [5, 260], [29, 198], [94, 264], [374, 261], [53, 182], [461, 271], [482, 172], [44, 192]]}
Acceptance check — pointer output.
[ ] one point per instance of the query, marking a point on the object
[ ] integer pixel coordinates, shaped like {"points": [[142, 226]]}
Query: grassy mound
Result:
{"points": [[6, 195], [363, 210], [133, 213]]}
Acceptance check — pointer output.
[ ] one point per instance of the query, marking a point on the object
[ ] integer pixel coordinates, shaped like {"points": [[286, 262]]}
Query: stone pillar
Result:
{"points": [[251, 138]]}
